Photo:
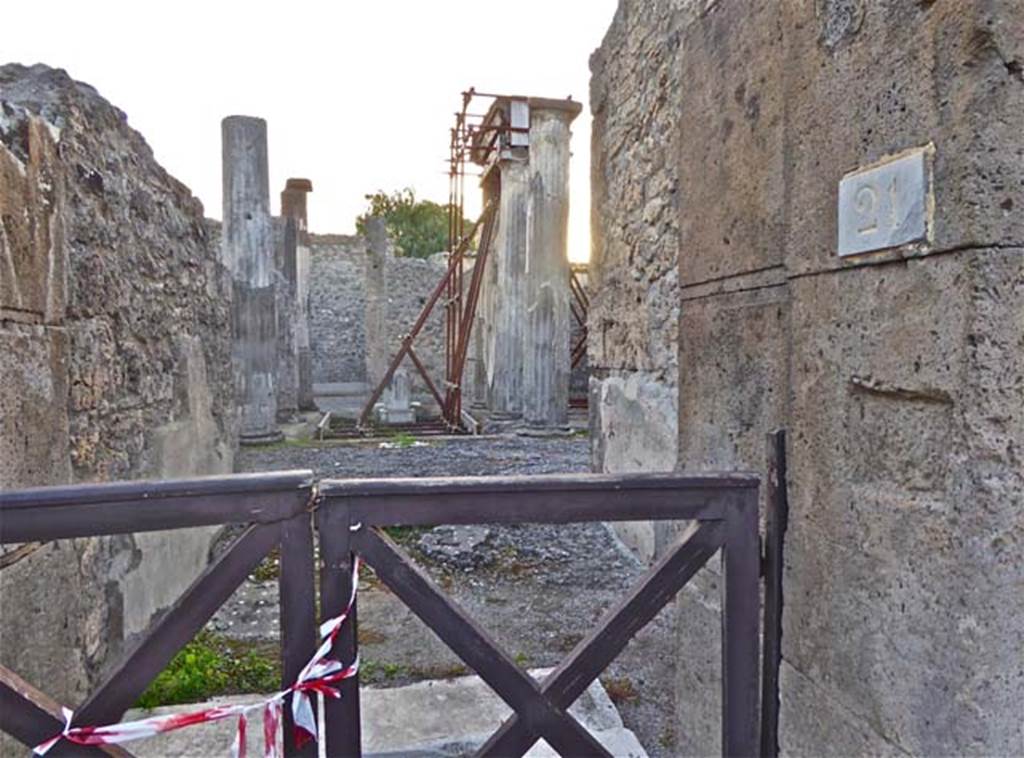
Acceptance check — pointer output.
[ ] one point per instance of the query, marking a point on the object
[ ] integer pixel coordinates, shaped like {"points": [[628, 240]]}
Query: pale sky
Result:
{"points": [[358, 96]]}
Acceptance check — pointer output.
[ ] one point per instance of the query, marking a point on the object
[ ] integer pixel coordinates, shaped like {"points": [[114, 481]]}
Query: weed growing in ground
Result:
{"points": [[403, 439], [620, 690], [212, 665]]}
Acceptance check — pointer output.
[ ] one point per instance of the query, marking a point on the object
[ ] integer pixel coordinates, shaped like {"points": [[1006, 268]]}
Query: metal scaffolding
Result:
{"points": [[476, 137]]}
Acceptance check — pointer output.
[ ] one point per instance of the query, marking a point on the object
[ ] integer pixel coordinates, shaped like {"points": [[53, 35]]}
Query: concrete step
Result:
{"points": [[441, 718]]}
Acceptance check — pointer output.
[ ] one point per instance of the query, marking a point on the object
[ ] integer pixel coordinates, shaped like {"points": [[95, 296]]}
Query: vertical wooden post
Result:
{"points": [[342, 715], [776, 520], [298, 613], [740, 615]]}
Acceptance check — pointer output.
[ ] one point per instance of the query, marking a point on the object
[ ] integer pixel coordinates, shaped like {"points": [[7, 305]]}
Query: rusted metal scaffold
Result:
{"points": [[474, 137]]}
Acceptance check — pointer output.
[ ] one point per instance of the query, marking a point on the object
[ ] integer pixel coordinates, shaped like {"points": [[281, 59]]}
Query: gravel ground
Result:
{"points": [[538, 589]]}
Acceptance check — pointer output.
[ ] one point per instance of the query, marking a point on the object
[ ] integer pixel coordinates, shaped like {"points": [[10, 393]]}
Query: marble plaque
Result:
{"points": [[885, 205]]}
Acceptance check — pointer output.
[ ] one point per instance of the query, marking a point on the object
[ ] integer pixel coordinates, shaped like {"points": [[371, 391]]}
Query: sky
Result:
{"points": [[358, 96]]}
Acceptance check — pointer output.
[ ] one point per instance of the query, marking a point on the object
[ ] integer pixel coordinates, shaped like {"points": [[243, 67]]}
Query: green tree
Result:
{"points": [[419, 228]]}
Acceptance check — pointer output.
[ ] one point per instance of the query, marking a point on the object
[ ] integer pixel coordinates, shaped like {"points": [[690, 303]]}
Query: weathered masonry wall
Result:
{"points": [[338, 292], [634, 308], [899, 374], [114, 327]]}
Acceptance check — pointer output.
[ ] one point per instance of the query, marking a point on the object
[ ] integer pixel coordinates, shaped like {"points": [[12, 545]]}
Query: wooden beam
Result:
{"points": [[741, 564], [776, 520], [32, 717], [343, 730], [298, 614], [618, 626], [472, 644], [49, 513], [538, 499], [176, 627]]}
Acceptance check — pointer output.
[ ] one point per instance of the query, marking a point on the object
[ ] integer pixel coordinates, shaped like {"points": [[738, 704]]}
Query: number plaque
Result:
{"points": [[886, 204]]}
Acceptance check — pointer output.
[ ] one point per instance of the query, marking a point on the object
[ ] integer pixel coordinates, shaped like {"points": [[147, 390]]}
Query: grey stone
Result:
{"points": [[403, 721], [398, 401], [338, 327], [249, 254], [505, 291], [115, 330], [633, 276], [461, 546], [378, 351], [898, 373], [545, 350]]}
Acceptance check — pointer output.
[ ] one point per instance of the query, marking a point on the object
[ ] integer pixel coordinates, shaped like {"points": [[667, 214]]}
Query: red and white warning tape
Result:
{"points": [[320, 675]]}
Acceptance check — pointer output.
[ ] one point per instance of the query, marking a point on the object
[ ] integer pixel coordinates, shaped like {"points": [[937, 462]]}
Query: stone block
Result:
{"points": [[633, 418], [33, 257], [731, 162], [906, 494], [865, 80], [733, 351], [33, 406]]}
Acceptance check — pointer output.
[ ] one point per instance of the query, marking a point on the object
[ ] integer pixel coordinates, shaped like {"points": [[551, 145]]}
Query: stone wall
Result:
{"points": [[114, 321], [633, 281], [338, 294], [899, 374]]}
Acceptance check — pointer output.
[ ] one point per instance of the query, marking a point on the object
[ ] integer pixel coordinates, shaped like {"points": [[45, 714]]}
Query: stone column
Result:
{"points": [[249, 255], [547, 328], [378, 351], [285, 282], [503, 354], [293, 209]]}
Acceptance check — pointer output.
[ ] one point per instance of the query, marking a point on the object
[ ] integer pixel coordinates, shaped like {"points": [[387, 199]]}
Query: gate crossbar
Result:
{"points": [[350, 516]]}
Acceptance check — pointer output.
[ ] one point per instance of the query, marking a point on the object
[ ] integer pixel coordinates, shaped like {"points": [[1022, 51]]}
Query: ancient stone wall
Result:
{"points": [[114, 322], [337, 308], [899, 374], [634, 307], [338, 293]]}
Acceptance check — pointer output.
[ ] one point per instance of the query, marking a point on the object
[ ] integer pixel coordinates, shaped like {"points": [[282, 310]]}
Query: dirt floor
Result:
{"points": [[536, 588]]}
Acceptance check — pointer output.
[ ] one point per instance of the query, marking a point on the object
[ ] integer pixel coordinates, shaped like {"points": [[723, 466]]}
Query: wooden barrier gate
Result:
{"points": [[349, 517]]}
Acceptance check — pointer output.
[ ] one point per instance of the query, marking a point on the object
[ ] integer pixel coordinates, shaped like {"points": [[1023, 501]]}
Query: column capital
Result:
{"points": [[566, 109]]}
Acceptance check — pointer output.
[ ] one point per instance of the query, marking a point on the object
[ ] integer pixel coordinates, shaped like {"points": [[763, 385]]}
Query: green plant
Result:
{"points": [[403, 439], [269, 568], [418, 227], [212, 665]]}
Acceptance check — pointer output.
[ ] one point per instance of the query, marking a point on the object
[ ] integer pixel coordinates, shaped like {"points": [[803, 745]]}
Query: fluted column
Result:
{"points": [[504, 351], [547, 329]]}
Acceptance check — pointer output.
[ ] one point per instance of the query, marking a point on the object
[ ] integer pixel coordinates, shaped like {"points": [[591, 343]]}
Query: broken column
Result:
{"points": [[248, 253], [546, 332], [377, 347], [504, 351], [293, 210]]}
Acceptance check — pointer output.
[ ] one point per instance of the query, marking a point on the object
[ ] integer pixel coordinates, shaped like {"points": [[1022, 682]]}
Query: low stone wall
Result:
{"points": [[115, 327], [899, 373]]}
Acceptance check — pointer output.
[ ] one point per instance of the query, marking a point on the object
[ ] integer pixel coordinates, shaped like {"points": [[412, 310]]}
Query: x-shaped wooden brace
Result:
{"points": [[540, 710]]}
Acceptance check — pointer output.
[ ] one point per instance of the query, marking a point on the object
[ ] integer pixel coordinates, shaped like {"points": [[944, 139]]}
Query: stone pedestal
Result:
{"points": [[249, 255], [398, 399], [293, 210], [546, 332]]}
